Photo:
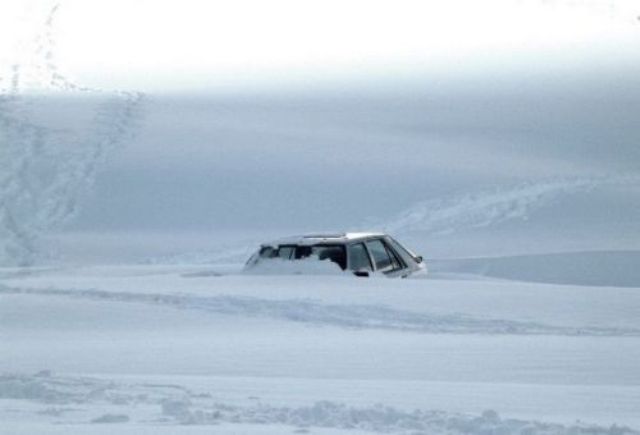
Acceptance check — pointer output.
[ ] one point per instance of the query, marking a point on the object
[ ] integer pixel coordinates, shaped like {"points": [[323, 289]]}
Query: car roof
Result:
{"points": [[312, 239]]}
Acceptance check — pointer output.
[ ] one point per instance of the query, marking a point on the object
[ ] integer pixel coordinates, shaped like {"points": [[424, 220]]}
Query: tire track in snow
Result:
{"points": [[316, 313], [175, 404]]}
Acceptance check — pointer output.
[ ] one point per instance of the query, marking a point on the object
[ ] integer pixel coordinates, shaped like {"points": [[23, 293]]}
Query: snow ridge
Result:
{"points": [[346, 316], [483, 209], [45, 169], [174, 404]]}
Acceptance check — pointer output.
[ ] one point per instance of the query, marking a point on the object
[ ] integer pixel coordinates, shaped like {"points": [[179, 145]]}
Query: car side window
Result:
{"points": [[385, 260], [285, 252], [359, 258]]}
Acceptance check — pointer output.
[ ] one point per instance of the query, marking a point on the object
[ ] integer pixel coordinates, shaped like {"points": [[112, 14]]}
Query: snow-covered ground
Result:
{"points": [[179, 349]]}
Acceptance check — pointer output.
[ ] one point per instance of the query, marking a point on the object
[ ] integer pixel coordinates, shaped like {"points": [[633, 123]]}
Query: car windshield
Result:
{"points": [[334, 253]]}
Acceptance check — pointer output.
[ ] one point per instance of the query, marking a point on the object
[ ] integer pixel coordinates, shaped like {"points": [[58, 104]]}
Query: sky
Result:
{"points": [[166, 46]]}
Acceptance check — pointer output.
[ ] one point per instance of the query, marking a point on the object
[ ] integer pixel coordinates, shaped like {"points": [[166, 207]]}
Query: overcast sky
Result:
{"points": [[168, 45]]}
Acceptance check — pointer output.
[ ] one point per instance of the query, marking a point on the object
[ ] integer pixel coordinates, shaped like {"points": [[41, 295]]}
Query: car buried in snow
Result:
{"points": [[362, 254]]}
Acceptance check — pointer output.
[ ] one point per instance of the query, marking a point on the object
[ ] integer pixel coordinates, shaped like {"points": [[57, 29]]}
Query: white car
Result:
{"points": [[360, 253]]}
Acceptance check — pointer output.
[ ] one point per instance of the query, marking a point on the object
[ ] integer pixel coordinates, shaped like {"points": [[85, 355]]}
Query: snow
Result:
{"points": [[165, 345], [55, 137], [484, 209], [173, 404], [311, 265], [591, 268], [137, 317]]}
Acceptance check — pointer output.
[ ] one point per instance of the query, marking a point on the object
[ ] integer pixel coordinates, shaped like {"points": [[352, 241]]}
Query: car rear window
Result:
{"points": [[268, 252], [286, 252]]}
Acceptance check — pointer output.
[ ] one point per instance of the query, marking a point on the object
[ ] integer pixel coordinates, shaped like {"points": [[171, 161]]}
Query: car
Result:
{"points": [[362, 254]]}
